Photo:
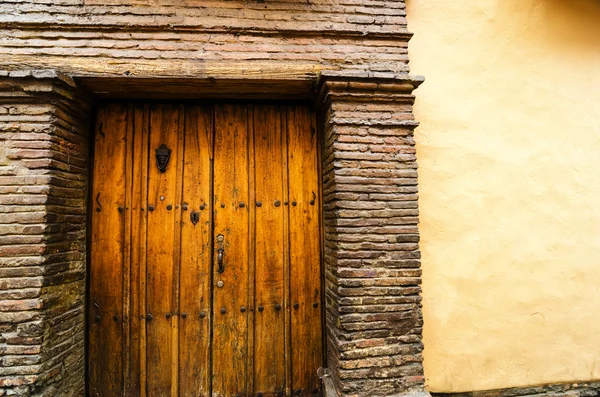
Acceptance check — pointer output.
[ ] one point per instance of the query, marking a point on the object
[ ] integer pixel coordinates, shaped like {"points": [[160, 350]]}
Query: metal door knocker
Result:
{"points": [[220, 253], [163, 154], [194, 217]]}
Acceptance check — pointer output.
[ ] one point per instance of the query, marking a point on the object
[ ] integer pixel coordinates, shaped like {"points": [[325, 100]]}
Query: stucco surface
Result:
{"points": [[509, 159]]}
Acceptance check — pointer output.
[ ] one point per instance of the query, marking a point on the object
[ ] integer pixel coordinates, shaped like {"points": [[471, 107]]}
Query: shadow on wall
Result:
{"points": [[585, 13], [574, 23]]}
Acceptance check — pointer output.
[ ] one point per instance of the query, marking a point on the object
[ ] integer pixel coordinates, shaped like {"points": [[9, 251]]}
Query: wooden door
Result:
{"points": [[205, 275]]}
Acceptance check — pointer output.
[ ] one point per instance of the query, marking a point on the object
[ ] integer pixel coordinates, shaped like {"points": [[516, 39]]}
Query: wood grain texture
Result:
{"points": [[230, 330], [136, 382], [305, 249], [250, 172], [228, 83], [176, 208], [127, 248], [164, 128], [107, 253], [194, 275], [269, 352]]}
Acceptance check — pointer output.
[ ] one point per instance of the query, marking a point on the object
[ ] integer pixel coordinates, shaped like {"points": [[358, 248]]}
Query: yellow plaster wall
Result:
{"points": [[509, 156]]}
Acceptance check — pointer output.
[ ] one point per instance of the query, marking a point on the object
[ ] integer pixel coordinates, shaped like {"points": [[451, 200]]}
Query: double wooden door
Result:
{"points": [[205, 275]]}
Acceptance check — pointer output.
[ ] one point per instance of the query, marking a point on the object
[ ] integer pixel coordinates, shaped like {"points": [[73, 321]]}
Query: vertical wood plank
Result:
{"points": [[269, 330], [127, 247], [305, 249], [251, 253], [286, 253], [136, 380], [194, 330], [161, 240], [158, 262], [176, 208], [107, 253], [230, 330]]}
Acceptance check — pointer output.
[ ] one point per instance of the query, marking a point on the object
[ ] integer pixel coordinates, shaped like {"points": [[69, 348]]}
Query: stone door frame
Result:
{"points": [[373, 318]]}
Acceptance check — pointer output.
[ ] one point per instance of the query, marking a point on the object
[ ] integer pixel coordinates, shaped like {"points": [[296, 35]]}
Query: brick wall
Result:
{"points": [[194, 38], [43, 158], [372, 257]]}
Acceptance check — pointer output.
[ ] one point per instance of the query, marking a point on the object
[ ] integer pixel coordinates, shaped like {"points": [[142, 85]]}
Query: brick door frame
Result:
{"points": [[371, 263]]}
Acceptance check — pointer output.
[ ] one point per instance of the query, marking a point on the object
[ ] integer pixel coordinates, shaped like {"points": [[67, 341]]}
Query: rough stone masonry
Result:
{"points": [[349, 57]]}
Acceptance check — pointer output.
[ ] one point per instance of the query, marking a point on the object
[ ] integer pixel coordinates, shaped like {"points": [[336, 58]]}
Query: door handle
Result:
{"points": [[220, 252]]}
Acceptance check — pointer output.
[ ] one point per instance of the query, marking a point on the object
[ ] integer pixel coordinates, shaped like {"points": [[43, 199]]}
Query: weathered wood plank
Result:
{"points": [[162, 195], [269, 342], [229, 371], [264, 309], [136, 381], [107, 252], [195, 277], [305, 249]]}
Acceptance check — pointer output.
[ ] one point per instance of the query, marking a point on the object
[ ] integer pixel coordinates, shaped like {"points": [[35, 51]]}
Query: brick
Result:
{"points": [[371, 242], [20, 305], [37, 198], [17, 380]]}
